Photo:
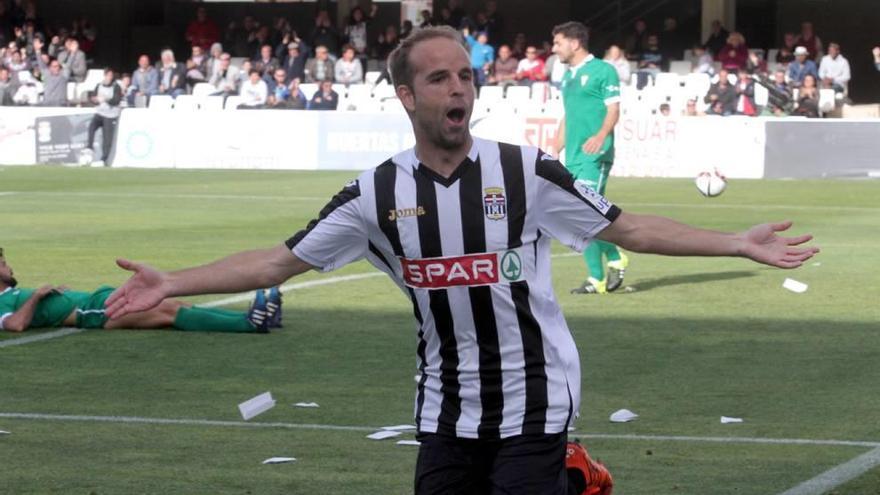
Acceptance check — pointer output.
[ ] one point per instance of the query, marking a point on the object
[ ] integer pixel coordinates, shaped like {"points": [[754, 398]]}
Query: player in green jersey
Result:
{"points": [[51, 306], [591, 96]]}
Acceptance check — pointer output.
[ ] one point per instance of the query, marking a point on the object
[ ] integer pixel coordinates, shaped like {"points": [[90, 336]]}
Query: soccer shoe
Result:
{"points": [[273, 308], [584, 474], [591, 286], [257, 315], [616, 271]]}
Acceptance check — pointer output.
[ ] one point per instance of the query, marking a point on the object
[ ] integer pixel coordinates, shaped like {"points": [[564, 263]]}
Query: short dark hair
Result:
{"points": [[253, 71], [398, 61], [574, 30]]}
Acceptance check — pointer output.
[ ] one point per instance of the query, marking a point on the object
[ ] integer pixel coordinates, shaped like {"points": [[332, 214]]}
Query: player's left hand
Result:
{"points": [[761, 244], [593, 145]]}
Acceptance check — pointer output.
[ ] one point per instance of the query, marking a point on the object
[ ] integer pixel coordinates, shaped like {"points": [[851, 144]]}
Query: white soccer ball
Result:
{"points": [[711, 184], [86, 157]]}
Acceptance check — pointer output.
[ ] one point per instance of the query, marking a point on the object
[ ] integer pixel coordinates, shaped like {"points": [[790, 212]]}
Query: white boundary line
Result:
{"points": [[838, 475], [62, 332], [308, 426], [247, 296]]}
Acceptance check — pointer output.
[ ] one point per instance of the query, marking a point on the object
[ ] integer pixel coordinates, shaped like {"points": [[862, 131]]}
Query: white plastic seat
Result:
{"points": [[372, 76], [384, 91], [308, 90], [762, 96], [161, 102], [540, 91], [211, 103], [232, 102], [667, 81], [186, 102], [360, 91], [491, 94], [201, 90], [826, 100], [680, 67], [518, 94]]}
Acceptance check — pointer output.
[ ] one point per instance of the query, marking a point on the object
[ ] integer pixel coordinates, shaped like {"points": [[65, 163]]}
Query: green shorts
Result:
{"points": [[594, 174], [90, 314]]}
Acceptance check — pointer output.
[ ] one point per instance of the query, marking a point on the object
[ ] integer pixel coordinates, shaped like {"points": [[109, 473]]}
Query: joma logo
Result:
{"points": [[393, 215]]}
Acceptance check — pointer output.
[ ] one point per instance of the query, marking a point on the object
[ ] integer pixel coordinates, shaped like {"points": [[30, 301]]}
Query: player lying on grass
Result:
{"points": [[51, 306], [464, 226]]}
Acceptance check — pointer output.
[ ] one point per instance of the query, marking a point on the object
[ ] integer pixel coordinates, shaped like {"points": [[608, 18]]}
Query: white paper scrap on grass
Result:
{"points": [[399, 428], [306, 404], [623, 416], [256, 406], [279, 460], [382, 435], [409, 442], [4, 432], [727, 420], [795, 286]]}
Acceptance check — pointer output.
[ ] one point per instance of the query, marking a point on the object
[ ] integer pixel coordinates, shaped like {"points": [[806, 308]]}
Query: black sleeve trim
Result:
{"points": [[556, 173], [348, 193]]}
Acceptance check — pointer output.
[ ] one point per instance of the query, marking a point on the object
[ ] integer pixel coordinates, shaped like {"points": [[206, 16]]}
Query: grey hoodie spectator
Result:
{"points": [[73, 61], [54, 83], [144, 80], [349, 69], [7, 87], [225, 80]]}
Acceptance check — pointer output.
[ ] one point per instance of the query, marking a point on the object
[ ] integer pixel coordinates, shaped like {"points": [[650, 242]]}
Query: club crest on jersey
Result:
{"points": [[394, 215], [494, 203]]}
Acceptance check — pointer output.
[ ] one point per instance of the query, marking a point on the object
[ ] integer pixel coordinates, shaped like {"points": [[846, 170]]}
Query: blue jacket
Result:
{"points": [[797, 71], [480, 54]]}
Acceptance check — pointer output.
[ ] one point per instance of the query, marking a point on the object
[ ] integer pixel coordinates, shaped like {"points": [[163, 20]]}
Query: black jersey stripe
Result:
{"points": [[474, 236], [347, 194], [554, 172], [429, 240], [535, 418], [515, 192], [384, 181]]}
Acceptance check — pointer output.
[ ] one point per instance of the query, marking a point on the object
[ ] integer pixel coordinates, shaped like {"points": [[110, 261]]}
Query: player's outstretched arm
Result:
{"points": [[21, 319], [659, 235], [240, 272]]}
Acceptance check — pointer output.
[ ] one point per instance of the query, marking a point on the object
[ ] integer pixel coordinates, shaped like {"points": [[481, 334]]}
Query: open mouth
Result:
{"points": [[456, 116]]}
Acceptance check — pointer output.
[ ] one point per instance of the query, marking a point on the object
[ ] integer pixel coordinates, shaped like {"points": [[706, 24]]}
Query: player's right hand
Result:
{"points": [[143, 291]]}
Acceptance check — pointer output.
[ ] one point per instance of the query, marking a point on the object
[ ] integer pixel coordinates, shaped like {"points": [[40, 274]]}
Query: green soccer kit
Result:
{"points": [[587, 90]]}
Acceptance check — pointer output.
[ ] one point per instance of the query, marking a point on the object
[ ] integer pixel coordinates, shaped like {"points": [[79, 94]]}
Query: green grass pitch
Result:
{"points": [[697, 339]]}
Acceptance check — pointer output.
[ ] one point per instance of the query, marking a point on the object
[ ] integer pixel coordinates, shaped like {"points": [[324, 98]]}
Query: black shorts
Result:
{"points": [[525, 464]]}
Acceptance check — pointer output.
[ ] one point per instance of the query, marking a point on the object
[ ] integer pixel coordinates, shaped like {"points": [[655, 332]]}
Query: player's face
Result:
{"points": [[6, 273], [563, 48], [442, 96]]}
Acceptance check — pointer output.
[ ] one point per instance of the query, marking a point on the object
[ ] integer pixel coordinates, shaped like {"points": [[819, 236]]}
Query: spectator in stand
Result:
{"points": [[779, 100], [196, 66], [237, 36], [225, 80], [427, 19], [735, 54], [55, 46], [262, 36], [690, 109], [325, 98], [722, 97], [324, 34], [254, 91], [202, 31], [8, 87], [673, 41], [107, 96], [284, 95], [504, 68], [810, 41], [212, 65], [243, 74], [54, 80], [17, 62], [73, 61], [717, 38], [266, 64], [554, 70], [531, 68], [482, 55], [172, 78], [651, 61], [320, 67], [29, 89], [125, 85], [387, 42], [348, 69], [144, 82], [786, 51], [665, 110], [808, 98], [756, 64], [801, 67], [85, 32], [745, 94], [702, 62], [295, 62], [406, 29], [615, 56], [638, 40], [876, 53], [834, 70], [356, 33]]}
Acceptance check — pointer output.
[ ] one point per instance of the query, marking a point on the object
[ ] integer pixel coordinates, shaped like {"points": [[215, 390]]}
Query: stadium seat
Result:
{"points": [[771, 55], [554, 108], [540, 91], [384, 91], [237, 61], [340, 89], [680, 67], [201, 90], [360, 91], [633, 66], [697, 84], [762, 96], [667, 81], [528, 107], [491, 94], [518, 94], [309, 90], [555, 93], [232, 102], [372, 76], [186, 102], [71, 92], [688, 55], [363, 105], [826, 100], [393, 105], [211, 103], [161, 102]]}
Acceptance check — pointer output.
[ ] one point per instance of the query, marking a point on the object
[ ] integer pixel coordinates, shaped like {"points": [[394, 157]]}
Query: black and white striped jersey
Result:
{"points": [[472, 252]]}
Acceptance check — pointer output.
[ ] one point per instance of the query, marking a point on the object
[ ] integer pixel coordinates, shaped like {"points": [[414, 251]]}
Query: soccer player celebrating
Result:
{"points": [[464, 227], [591, 96], [51, 306]]}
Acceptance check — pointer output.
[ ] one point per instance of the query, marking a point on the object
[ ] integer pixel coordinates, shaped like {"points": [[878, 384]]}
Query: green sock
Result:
{"points": [[609, 250], [593, 257], [197, 319]]}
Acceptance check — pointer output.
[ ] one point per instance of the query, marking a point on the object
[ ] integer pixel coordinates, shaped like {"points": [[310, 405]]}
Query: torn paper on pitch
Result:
{"points": [[623, 416], [4, 432], [726, 420], [795, 286], [279, 460], [409, 442], [399, 428], [306, 404], [256, 406], [382, 435]]}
